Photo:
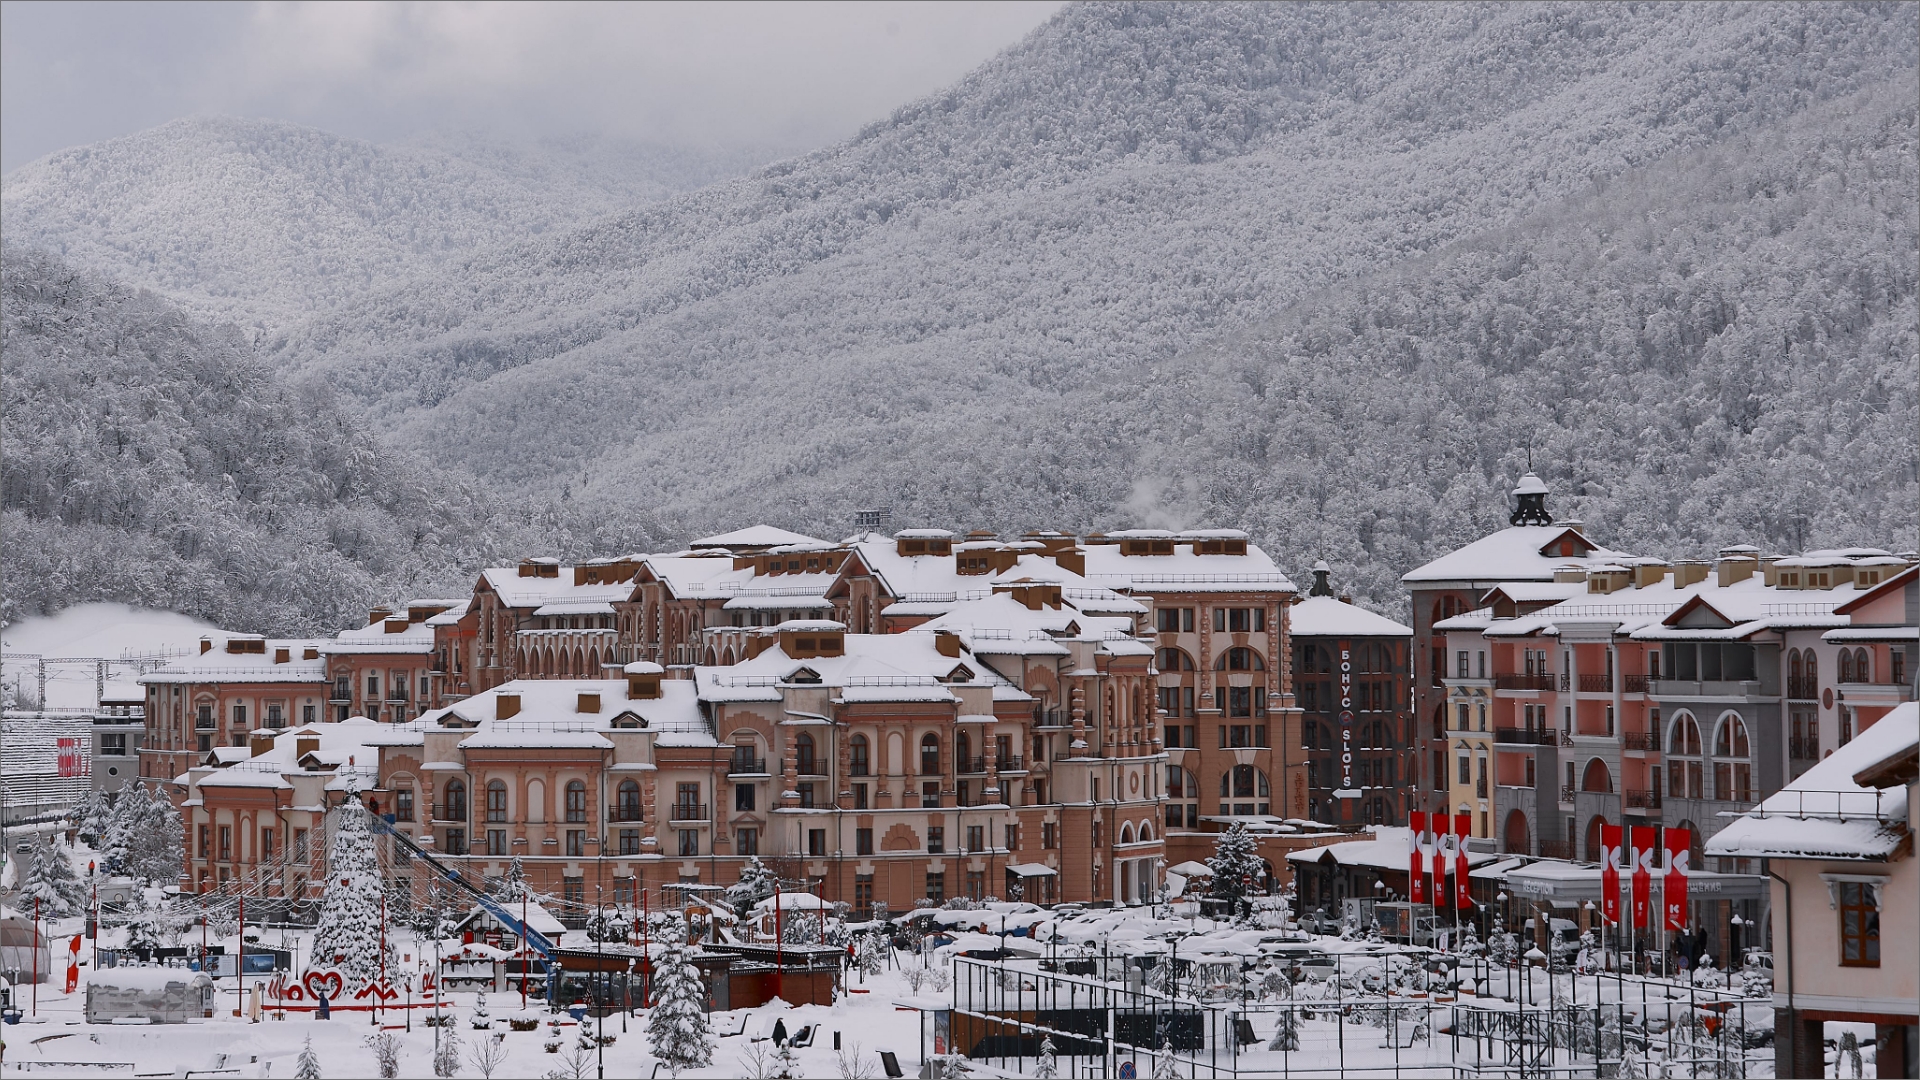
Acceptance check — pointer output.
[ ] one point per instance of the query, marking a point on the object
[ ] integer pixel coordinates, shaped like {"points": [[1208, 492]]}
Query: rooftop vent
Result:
{"points": [[506, 706], [587, 703]]}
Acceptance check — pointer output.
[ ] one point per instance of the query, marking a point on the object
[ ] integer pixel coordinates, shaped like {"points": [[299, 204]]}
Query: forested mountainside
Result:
{"points": [[901, 318], [153, 459], [1330, 273], [264, 222]]}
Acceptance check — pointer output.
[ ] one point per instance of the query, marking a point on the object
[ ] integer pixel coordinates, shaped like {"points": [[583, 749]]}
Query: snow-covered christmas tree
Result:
{"points": [[51, 880], [123, 823], [1236, 866], [157, 848], [1286, 1035], [677, 1029], [151, 924], [349, 935], [513, 884], [91, 816], [480, 1020], [307, 1067], [1047, 1066], [756, 884]]}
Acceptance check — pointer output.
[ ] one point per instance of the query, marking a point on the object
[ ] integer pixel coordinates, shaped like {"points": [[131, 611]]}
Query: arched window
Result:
{"points": [[456, 800], [627, 798], [1146, 832], [1126, 832], [859, 756], [1793, 664], [1240, 658], [1684, 779], [1181, 784], [1862, 666], [930, 755], [1171, 659], [576, 800], [1597, 777], [1732, 761], [1846, 665], [496, 800], [803, 754], [1244, 782]]}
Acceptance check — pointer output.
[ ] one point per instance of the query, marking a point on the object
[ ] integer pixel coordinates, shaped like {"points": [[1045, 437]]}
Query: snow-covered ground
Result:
{"points": [[1359, 1008], [99, 631]]}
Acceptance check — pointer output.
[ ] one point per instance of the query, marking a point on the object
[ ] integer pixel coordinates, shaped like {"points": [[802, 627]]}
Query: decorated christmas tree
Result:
{"points": [[677, 1029], [349, 935], [1236, 866]]}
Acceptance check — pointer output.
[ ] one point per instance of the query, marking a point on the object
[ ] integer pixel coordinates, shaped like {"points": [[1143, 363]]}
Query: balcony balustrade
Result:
{"points": [[1567, 793], [1527, 736], [1635, 684], [971, 766], [1513, 680], [1596, 684], [1556, 849], [1801, 688], [688, 812], [1803, 748], [1642, 799], [747, 765], [1640, 740]]}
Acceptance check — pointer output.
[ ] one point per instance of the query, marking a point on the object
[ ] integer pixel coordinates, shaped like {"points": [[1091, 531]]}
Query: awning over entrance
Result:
{"points": [[1031, 869]]}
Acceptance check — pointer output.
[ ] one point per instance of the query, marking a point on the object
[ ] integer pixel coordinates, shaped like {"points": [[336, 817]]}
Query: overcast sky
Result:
{"points": [[787, 75]]}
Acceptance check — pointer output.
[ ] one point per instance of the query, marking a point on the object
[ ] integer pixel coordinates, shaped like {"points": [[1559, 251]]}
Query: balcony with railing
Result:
{"points": [[1515, 680], [1556, 849], [1527, 736], [1596, 684], [1803, 748], [1635, 684], [1803, 688], [1050, 718], [746, 765], [1567, 793], [1013, 763], [1640, 740], [972, 766], [687, 812], [1642, 799]]}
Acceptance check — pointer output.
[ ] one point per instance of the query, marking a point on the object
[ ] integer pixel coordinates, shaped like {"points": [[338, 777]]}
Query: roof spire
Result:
{"points": [[1321, 586], [1532, 497]]}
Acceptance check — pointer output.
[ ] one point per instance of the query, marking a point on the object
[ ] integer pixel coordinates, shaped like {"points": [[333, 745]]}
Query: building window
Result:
{"points": [[803, 752], [1859, 925], [456, 802], [976, 838], [743, 796], [1049, 835], [863, 841], [240, 716], [930, 755], [689, 842], [496, 801], [266, 844], [573, 890], [576, 843], [576, 801], [863, 895], [936, 840], [113, 745], [976, 884], [1240, 620], [816, 842], [624, 895], [403, 804], [806, 795], [930, 794], [496, 842], [1732, 767], [1684, 777], [309, 713], [860, 796], [1173, 620], [859, 759], [276, 716], [627, 801], [937, 888], [1466, 769], [299, 845], [456, 841], [629, 841]]}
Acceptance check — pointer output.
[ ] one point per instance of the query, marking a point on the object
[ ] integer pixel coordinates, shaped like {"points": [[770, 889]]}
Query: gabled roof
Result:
{"points": [[1827, 813], [1518, 553], [1893, 584], [757, 536], [1325, 616]]}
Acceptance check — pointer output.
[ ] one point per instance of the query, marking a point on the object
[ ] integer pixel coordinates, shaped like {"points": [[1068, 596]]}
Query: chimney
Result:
{"points": [[587, 703], [1649, 572], [947, 642], [1569, 575], [506, 706], [260, 743], [304, 745], [281, 656], [206, 645], [1688, 572], [311, 652], [378, 615], [397, 626], [1733, 568]]}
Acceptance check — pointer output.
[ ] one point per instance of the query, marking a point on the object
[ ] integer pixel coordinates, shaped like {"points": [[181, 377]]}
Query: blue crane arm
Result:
{"points": [[534, 938]]}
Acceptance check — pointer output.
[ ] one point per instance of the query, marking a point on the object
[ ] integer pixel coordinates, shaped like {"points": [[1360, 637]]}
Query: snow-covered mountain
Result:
{"points": [[1326, 272], [264, 222]]}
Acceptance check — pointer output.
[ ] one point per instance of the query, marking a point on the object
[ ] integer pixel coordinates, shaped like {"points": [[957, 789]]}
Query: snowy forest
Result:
{"points": [[1332, 274]]}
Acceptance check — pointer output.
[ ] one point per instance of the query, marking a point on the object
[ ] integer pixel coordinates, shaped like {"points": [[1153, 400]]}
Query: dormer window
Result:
{"points": [[960, 674], [805, 675]]}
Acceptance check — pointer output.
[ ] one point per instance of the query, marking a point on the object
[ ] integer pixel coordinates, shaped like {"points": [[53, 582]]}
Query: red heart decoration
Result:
{"points": [[321, 982]]}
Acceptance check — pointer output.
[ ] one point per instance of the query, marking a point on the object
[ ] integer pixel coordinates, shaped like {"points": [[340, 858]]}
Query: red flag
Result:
{"points": [[1674, 889], [1442, 862], [1610, 874], [1643, 855], [1417, 873], [1462, 880]]}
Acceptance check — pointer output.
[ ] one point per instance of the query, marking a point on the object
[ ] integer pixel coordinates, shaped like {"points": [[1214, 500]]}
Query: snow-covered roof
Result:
{"points": [[374, 638], [1512, 554], [1185, 570], [757, 536], [1325, 616], [533, 592], [872, 668], [222, 666], [1388, 850], [452, 615], [550, 714], [1826, 813], [329, 746]]}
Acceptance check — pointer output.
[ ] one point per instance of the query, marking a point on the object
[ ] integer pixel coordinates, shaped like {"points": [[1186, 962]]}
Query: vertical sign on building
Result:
{"points": [[72, 761], [1347, 790]]}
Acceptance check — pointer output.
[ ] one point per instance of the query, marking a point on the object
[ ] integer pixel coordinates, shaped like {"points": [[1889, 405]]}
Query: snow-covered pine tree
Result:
{"points": [[157, 849], [677, 1030], [91, 816], [513, 883], [307, 1066], [1236, 865], [756, 884], [150, 925], [117, 836], [1047, 1066], [1164, 1065], [1286, 1035], [51, 880], [349, 935], [480, 1020]]}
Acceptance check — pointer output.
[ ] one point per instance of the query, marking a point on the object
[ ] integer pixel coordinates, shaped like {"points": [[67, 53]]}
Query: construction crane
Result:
{"points": [[532, 938]]}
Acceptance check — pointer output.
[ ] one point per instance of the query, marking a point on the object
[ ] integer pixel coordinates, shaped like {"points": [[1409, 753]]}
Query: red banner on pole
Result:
{"points": [[72, 761], [1442, 858], [1462, 876], [1610, 841], [1673, 890], [1417, 871], [1644, 854]]}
